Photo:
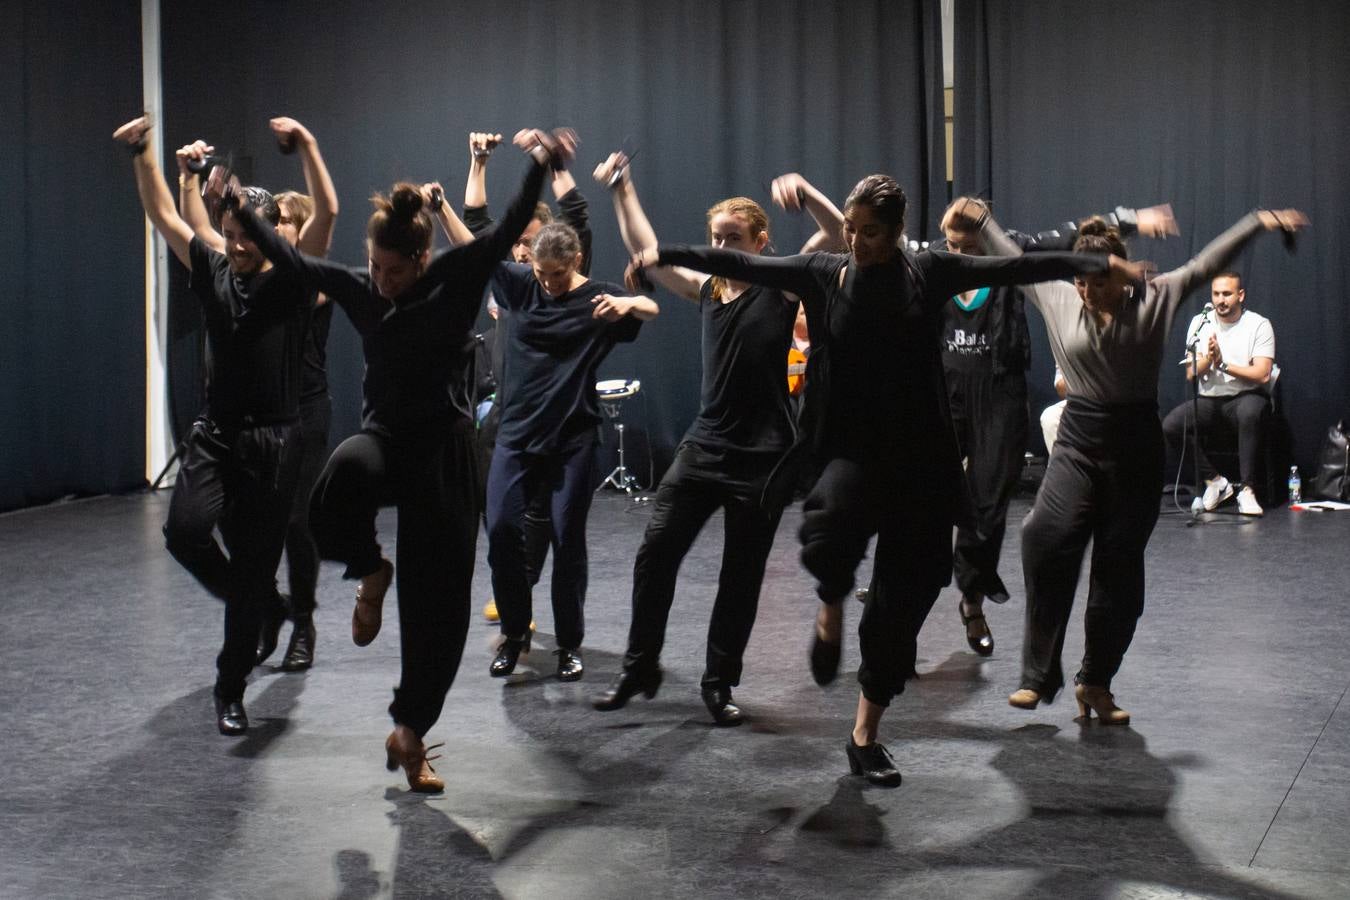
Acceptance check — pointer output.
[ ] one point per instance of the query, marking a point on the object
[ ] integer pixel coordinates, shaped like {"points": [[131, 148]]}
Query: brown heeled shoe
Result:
{"points": [[1102, 702], [403, 748], [369, 609], [1024, 698]]}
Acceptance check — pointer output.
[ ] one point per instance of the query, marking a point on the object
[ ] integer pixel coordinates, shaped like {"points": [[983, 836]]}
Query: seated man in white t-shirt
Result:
{"points": [[1235, 360]]}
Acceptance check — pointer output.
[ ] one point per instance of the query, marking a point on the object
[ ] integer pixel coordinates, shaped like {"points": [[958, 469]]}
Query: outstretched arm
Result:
{"points": [[798, 275], [154, 193], [794, 193], [190, 205], [317, 234], [637, 231], [1221, 251]]}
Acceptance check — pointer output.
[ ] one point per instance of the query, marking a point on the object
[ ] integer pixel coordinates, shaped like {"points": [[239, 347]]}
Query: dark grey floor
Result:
{"points": [[1234, 780]]}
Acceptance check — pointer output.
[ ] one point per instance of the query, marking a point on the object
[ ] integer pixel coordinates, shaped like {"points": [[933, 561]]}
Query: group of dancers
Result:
{"points": [[917, 362]]}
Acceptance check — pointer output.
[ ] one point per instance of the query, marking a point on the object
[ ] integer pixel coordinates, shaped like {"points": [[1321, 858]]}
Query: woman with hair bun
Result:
{"points": [[876, 421], [1106, 469], [415, 315]]}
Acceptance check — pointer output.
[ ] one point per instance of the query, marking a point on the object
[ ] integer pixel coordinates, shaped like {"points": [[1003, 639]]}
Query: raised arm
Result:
{"points": [[637, 232], [1221, 251], [154, 193], [794, 193], [433, 195], [481, 145], [317, 234], [190, 204], [575, 211]]}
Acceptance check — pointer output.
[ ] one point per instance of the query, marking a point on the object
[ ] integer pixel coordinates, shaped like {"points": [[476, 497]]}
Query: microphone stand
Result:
{"points": [[1198, 504]]}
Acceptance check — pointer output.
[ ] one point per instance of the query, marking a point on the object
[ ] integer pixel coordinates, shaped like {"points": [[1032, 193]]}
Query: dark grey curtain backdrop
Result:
{"points": [[72, 349], [718, 98], [1065, 108]]}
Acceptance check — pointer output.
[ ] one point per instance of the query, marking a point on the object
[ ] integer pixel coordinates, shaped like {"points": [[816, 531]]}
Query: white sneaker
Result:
{"points": [[1247, 504], [1217, 490]]}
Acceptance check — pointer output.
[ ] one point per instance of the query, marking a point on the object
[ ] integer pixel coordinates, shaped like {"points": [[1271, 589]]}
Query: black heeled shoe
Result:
{"points": [[504, 663], [300, 651], [626, 686], [981, 640], [570, 667], [874, 762], [231, 720], [269, 633], [724, 712]]}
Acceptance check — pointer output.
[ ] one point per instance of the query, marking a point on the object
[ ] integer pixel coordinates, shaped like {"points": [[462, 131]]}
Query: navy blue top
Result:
{"points": [[554, 345]]}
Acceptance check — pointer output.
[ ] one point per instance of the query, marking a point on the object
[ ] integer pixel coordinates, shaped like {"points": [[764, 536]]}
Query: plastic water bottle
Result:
{"points": [[1295, 486]]}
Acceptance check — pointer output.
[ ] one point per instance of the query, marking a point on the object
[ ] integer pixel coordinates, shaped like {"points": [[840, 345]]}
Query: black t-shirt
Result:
{"points": [[255, 329], [314, 379], [967, 340], [553, 348], [744, 399]]}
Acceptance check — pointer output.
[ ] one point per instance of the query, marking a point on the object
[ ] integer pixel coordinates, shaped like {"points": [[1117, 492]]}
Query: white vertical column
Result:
{"points": [[158, 436]]}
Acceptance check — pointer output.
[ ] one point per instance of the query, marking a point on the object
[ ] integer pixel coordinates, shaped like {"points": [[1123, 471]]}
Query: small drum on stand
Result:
{"points": [[612, 393]]}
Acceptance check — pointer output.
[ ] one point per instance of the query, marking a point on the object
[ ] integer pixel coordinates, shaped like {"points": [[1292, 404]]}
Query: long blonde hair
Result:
{"points": [[753, 214]]}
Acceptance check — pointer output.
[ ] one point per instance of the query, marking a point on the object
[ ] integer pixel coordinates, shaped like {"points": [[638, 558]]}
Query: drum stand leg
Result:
{"points": [[620, 479]]}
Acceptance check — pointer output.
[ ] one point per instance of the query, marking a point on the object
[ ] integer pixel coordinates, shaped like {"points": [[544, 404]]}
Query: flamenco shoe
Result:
{"points": [[570, 667], [724, 712], [403, 748], [1092, 698], [978, 636], [300, 651], [874, 762], [626, 686], [1024, 698], [825, 654], [369, 608], [231, 720], [504, 663], [273, 617]]}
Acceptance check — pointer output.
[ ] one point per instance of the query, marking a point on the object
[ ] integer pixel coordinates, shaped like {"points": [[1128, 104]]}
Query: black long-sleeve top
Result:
{"points": [[877, 392], [572, 209], [419, 346], [255, 329]]}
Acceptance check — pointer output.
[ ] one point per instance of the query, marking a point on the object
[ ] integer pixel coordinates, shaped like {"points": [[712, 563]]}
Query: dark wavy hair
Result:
{"points": [[1097, 236]]}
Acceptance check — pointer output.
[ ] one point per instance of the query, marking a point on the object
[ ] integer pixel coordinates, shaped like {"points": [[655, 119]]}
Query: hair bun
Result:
{"points": [[1098, 226], [406, 201]]}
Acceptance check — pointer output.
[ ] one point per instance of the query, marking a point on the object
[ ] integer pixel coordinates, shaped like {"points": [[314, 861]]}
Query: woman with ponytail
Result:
{"points": [[876, 422], [1106, 469], [745, 424], [415, 315]]}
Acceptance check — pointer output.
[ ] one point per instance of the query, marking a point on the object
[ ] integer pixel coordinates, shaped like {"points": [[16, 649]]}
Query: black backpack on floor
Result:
{"points": [[1332, 482]]}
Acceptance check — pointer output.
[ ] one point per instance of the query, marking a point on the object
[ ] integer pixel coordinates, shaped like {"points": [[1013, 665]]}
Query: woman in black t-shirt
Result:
{"points": [[744, 426]]}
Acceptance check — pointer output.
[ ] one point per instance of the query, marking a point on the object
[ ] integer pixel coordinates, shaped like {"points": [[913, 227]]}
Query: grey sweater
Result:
{"points": [[1119, 363]]}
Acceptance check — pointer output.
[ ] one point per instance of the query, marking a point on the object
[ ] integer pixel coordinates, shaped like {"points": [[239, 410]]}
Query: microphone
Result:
{"points": [[1199, 326]]}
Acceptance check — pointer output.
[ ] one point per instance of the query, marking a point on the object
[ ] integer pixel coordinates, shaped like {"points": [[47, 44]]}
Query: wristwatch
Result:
{"points": [[1222, 366]]}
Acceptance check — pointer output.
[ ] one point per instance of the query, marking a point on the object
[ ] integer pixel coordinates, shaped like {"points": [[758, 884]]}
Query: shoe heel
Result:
{"points": [[389, 762], [1084, 711], [854, 766]]}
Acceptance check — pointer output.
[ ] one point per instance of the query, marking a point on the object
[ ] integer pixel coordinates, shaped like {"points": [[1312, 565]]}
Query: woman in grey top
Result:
{"points": [[1106, 470]]}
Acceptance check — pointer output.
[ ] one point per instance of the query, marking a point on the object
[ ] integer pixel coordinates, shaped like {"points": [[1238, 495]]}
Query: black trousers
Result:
{"points": [[538, 527], [515, 480], [1243, 414], [853, 500], [241, 481], [302, 554], [1102, 483], [698, 483], [433, 482], [990, 415]]}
